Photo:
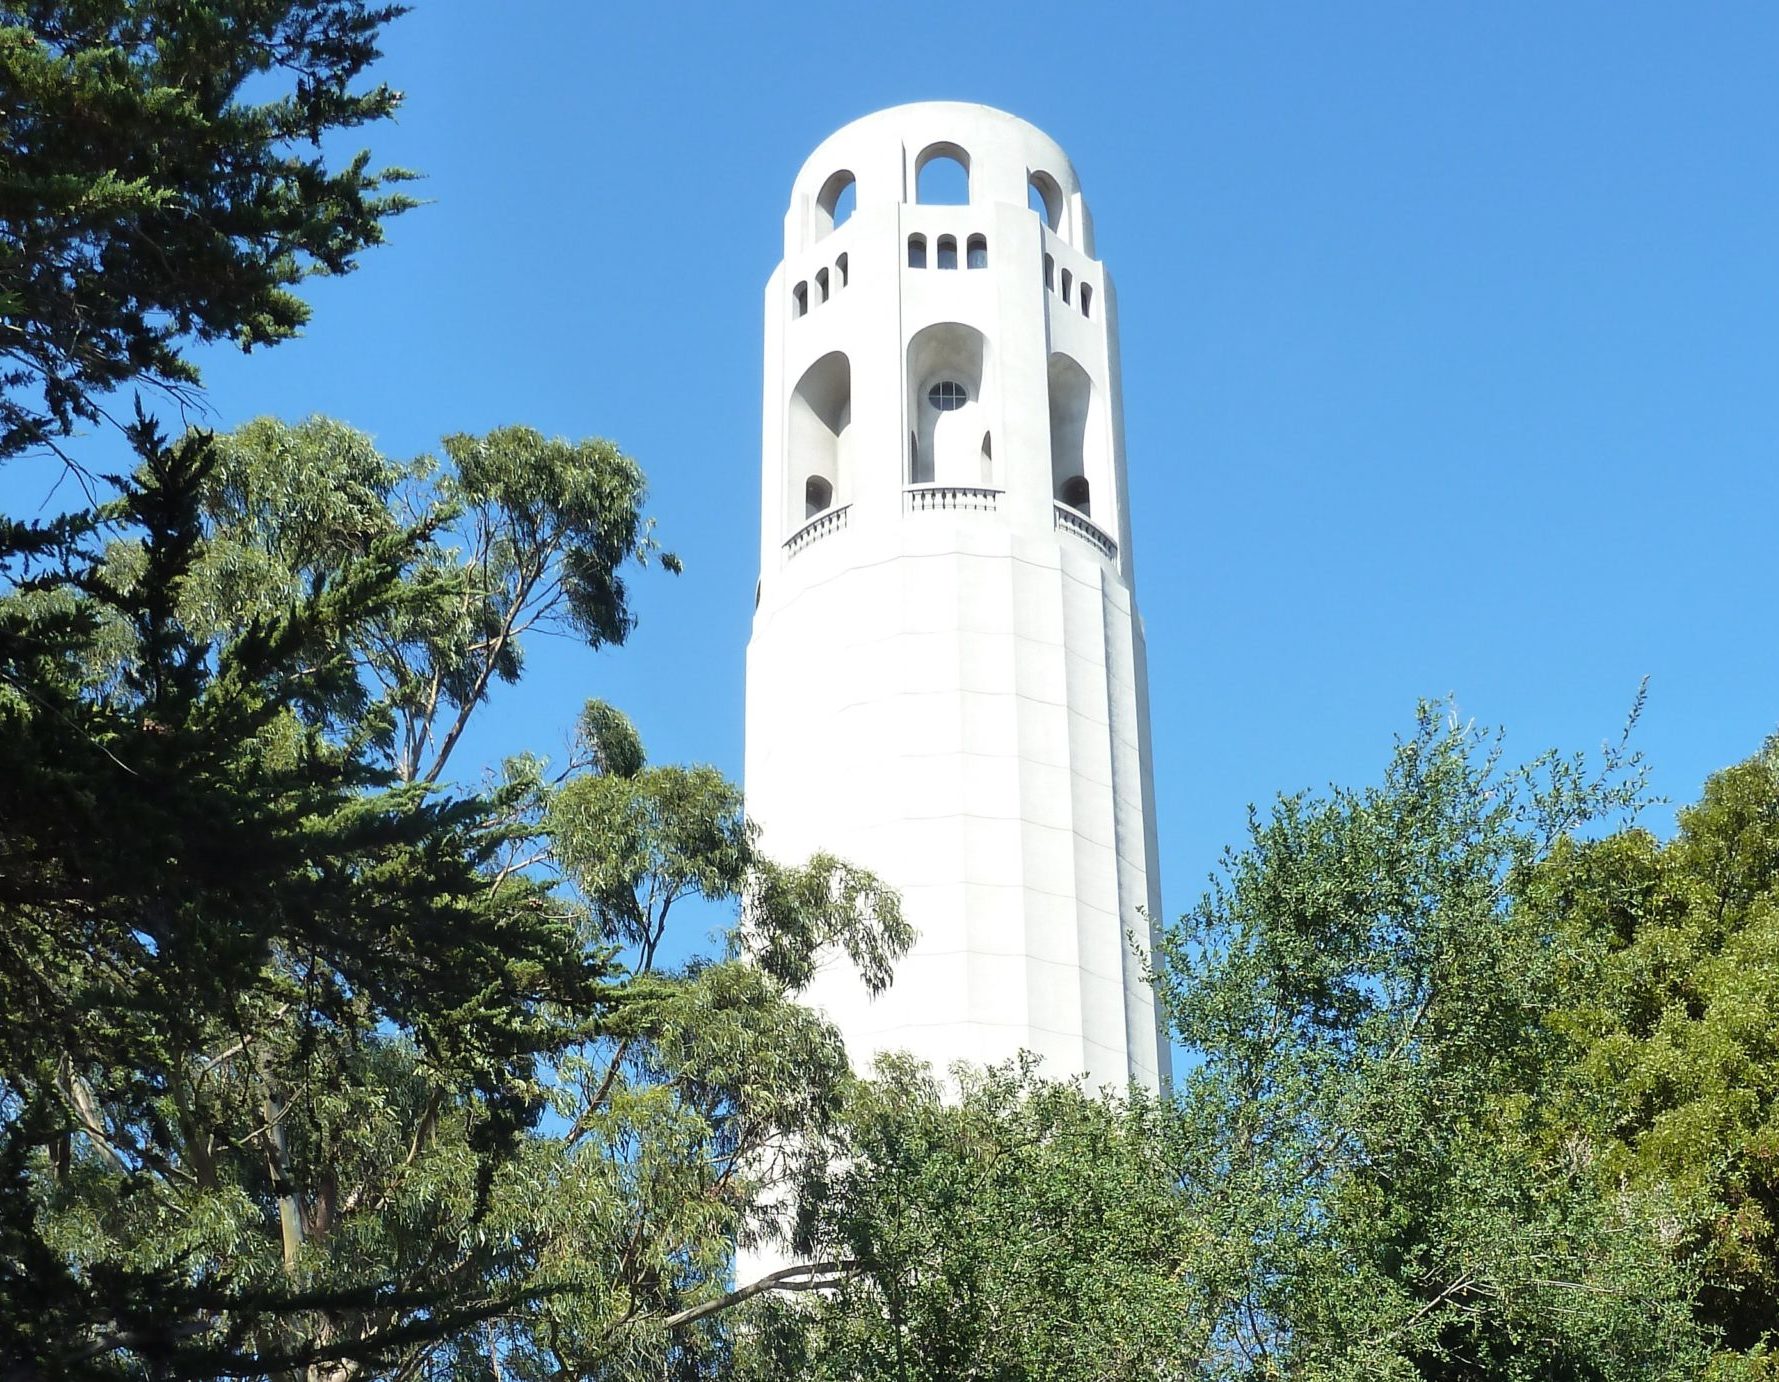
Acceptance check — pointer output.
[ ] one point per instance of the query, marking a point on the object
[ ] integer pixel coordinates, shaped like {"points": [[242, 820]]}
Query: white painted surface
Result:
{"points": [[946, 675]]}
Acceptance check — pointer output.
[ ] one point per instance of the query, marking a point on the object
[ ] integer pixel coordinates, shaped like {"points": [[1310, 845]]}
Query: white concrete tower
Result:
{"points": [[946, 679]]}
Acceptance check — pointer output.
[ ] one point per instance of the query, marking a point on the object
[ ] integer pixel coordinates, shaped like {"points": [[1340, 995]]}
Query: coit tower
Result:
{"points": [[946, 677]]}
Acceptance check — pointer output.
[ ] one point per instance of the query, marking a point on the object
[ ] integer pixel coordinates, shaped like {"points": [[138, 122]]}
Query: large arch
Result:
{"points": [[951, 442], [832, 204], [817, 440], [935, 183], [1080, 442], [1046, 198]]}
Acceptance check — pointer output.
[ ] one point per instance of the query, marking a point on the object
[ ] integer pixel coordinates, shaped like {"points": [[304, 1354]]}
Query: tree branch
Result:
{"points": [[830, 1273]]}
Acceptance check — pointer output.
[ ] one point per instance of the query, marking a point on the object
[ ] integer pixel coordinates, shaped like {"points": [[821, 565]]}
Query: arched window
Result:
{"points": [[917, 251], [942, 176], [1067, 280], [834, 203], [840, 268], [946, 404], [1080, 441], [947, 255], [1045, 198], [818, 437], [1087, 299], [821, 285], [1050, 273], [799, 299], [977, 252]]}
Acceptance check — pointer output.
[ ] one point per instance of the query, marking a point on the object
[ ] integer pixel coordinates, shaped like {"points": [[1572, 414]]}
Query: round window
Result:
{"points": [[947, 396]]}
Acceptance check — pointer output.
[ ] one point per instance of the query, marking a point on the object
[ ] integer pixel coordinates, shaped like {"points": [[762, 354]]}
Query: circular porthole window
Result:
{"points": [[947, 396]]}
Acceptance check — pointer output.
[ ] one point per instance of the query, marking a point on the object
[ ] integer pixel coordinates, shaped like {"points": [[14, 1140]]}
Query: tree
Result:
{"points": [[1017, 1229], [317, 1067], [216, 904], [708, 1095], [1674, 1025], [1365, 1171], [149, 201], [534, 534], [1365, 1009]]}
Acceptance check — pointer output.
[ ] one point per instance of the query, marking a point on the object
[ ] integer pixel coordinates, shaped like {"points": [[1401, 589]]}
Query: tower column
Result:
{"points": [[946, 679]]}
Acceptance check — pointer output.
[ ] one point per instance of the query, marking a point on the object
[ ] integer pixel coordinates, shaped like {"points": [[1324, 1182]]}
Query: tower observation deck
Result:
{"points": [[946, 679]]}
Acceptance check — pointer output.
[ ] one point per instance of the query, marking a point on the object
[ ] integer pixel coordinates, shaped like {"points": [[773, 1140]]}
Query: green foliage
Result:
{"points": [[1675, 1028], [149, 202], [314, 1065], [1017, 1229], [529, 533], [231, 938], [1365, 1005]]}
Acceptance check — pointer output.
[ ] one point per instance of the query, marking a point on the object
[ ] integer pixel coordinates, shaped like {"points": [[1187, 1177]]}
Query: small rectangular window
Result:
{"points": [[799, 299], [947, 252], [1067, 280], [977, 254], [1050, 273], [821, 285], [1087, 299]]}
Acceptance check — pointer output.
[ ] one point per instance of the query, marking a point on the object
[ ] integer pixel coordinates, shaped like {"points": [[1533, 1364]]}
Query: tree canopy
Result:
{"points": [[1674, 1028], [166, 183], [313, 1063]]}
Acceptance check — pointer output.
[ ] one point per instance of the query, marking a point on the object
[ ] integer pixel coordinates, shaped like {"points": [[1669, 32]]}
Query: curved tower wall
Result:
{"points": [[946, 676]]}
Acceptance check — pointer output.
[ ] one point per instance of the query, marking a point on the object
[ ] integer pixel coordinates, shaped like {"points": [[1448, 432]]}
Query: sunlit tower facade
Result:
{"points": [[946, 678]]}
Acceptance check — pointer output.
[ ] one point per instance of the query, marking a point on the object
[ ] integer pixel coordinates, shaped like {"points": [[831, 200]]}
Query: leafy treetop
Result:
{"points": [[165, 182]]}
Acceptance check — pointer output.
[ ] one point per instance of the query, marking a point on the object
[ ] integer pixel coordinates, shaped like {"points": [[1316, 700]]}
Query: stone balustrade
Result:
{"points": [[927, 498], [825, 522], [1076, 522]]}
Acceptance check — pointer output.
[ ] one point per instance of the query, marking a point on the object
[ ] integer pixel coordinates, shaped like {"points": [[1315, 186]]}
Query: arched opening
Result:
{"points": [[817, 435], [917, 251], [947, 252], [821, 285], [799, 299], [1087, 299], [947, 373], [835, 202], [840, 268], [1050, 272], [1045, 198], [1068, 280], [988, 461], [1079, 445], [942, 176], [977, 252]]}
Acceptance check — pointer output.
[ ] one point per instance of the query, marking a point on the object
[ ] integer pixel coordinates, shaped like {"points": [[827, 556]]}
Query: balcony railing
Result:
{"points": [[926, 498], [825, 522], [1076, 522]]}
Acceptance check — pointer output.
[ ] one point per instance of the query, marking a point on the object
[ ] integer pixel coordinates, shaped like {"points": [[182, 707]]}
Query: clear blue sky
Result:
{"points": [[1450, 332]]}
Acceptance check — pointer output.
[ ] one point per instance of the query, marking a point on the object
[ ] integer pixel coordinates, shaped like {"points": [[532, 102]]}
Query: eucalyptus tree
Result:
{"points": [[319, 1064]]}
